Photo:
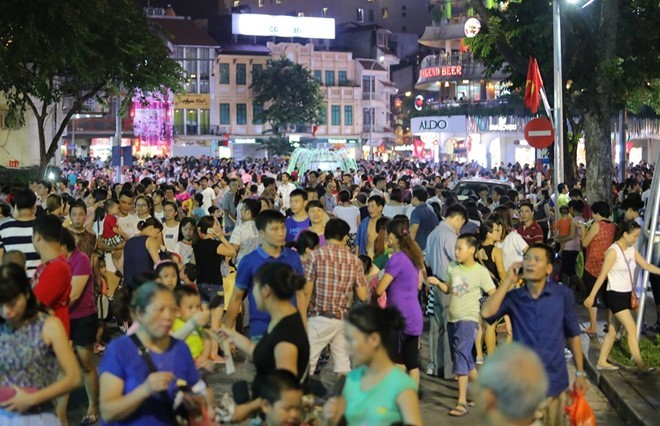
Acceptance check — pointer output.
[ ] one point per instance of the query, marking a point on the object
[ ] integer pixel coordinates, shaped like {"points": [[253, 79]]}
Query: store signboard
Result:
{"points": [[446, 71], [192, 101], [438, 124], [252, 24]]}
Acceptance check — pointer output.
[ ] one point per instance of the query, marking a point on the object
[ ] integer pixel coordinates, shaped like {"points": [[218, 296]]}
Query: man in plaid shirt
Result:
{"points": [[332, 274]]}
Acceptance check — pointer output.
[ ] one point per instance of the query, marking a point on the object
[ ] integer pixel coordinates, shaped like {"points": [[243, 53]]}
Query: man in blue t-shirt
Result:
{"points": [[272, 233], [422, 219], [299, 221]]}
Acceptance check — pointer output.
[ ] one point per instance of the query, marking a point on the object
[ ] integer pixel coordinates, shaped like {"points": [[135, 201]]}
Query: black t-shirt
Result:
{"points": [[290, 329], [208, 261]]}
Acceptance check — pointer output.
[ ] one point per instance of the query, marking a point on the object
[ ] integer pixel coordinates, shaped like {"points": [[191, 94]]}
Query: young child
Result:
{"points": [[101, 286], [170, 225], [184, 246], [466, 279], [189, 275], [372, 276], [113, 236], [299, 221], [281, 398], [16, 257], [198, 211], [189, 303], [563, 227], [168, 273]]}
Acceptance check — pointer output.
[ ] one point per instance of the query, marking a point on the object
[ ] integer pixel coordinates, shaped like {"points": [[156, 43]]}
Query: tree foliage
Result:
{"points": [[610, 59], [290, 96], [79, 51]]}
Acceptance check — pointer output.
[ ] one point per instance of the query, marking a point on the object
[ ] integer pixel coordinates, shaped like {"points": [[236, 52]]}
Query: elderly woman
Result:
{"points": [[34, 348], [133, 393]]}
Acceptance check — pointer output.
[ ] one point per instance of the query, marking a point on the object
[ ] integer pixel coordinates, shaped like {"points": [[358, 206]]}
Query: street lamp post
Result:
{"points": [[372, 113], [558, 175]]}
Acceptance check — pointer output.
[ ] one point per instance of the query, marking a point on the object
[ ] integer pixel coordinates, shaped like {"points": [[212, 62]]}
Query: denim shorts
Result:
{"points": [[211, 294], [462, 335]]}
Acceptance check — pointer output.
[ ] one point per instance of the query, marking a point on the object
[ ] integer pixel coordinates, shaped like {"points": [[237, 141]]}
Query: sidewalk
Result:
{"points": [[635, 398]]}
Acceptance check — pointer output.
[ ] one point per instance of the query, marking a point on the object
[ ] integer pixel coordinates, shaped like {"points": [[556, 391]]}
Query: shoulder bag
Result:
{"points": [[634, 300]]}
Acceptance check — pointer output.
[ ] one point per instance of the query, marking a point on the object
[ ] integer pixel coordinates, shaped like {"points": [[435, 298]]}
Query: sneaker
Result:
{"points": [[430, 370], [480, 360]]}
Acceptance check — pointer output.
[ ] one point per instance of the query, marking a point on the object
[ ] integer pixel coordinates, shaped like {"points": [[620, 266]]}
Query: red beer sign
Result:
{"points": [[447, 71]]}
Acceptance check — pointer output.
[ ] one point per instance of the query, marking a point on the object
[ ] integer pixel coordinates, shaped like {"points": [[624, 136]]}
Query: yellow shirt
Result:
{"points": [[194, 340]]}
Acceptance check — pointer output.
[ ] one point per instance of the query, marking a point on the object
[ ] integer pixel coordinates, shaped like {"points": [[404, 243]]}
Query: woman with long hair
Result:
{"points": [[35, 349], [376, 392], [402, 281], [597, 239], [285, 345], [211, 247], [513, 246], [621, 259]]}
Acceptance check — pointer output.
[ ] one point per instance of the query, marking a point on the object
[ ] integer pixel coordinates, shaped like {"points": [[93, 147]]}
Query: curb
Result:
{"points": [[626, 399]]}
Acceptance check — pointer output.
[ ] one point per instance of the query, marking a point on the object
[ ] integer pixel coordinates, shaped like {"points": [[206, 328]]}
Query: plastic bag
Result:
{"points": [[579, 412]]}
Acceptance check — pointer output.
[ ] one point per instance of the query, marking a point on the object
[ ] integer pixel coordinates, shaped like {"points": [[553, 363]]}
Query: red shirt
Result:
{"points": [[109, 224], [51, 284], [532, 234]]}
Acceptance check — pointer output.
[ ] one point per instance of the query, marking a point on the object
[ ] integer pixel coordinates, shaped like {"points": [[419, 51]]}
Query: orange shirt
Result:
{"points": [[564, 226]]}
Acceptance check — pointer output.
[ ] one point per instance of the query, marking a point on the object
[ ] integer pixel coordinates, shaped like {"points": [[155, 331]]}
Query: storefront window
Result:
{"points": [[178, 122], [192, 122], [204, 121]]}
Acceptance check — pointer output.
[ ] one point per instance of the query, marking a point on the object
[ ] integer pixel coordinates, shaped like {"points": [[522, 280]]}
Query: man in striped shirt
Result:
{"points": [[16, 233]]}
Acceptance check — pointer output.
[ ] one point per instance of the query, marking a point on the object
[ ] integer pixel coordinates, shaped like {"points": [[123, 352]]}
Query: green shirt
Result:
{"points": [[376, 406], [466, 286]]}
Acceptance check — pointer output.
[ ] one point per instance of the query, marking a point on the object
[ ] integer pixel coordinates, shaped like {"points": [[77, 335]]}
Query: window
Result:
{"points": [[323, 115], [225, 118], [359, 15], [256, 69], [317, 76], [335, 120], [257, 109], [348, 115], [368, 84], [204, 121], [403, 11], [224, 73], [240, 73], [241, 114], [367, 116], [371, 15], [179, 124], [329, 78], [386, 13], [341, 76]]}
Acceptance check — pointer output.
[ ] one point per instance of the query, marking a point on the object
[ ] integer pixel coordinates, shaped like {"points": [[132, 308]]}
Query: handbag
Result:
{"points": [[579, 412], [188, 408], [634, 300]]}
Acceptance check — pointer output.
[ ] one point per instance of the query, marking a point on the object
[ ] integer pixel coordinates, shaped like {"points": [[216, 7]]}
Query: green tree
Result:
{"points": [[80, 51], [610, 54], [290, 96]]}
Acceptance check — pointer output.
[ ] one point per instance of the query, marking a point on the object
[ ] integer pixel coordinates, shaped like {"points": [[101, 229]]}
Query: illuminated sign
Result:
{"points": [[419, 102], [337, 141], [245, 140], [502, 126], [282, 26], [446, 71], [451, 124]]}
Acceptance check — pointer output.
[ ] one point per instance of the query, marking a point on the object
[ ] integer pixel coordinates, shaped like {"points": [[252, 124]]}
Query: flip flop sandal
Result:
{"points": [[459, 411], [89, 420]]}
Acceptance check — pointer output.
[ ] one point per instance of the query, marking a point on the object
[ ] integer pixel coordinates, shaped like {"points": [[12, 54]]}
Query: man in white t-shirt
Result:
{"points": [[284, 191], [207, 192]]}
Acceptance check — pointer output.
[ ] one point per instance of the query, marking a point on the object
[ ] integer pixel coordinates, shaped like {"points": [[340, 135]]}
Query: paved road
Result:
{"points": [[439, 395]]}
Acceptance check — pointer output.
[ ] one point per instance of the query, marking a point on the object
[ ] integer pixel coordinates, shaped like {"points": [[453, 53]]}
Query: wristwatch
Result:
{"points": [[580, 374]]}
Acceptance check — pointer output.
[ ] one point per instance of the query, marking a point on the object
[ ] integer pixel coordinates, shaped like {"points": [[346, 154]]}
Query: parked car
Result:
{"points": [[467, 188]]}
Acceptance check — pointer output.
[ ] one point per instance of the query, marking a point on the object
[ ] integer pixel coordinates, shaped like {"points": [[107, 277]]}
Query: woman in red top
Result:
{"points": [[597, 239], [51, 282]]}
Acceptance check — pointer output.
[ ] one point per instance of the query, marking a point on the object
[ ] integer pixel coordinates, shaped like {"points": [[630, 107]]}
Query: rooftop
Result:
{"points": [[184, 32]]}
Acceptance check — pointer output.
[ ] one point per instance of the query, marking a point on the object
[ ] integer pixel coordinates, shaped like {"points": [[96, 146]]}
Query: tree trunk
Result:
{"points": [[570, 160], [598, 149], [43, 153]]}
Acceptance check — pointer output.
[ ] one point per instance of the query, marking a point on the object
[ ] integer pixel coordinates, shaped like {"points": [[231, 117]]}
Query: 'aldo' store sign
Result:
{"points": [[453, 124]]}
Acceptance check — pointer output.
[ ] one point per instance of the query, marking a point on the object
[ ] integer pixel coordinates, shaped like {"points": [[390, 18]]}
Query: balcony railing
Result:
{"points": [[442, 59]]}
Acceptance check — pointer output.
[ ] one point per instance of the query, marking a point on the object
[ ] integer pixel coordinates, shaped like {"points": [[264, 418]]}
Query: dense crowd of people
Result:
{"points": [[191, 261]]}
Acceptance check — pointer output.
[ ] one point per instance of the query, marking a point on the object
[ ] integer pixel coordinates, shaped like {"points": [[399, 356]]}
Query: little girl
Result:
{"points": [[170, 226], [184, 246], [168, 274], [372, 276], [113, 236]]}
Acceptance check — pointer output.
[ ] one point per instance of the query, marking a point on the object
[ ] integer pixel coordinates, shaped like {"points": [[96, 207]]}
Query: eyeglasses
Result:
{"points": [[140, 205]]}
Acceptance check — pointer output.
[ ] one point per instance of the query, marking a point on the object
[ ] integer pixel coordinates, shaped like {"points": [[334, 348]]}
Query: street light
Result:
{"points": [[558, 176], [372, 113]]}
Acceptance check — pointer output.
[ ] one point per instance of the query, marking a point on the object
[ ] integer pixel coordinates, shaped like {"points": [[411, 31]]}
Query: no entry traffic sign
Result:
{"points": [[539, 133]]}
